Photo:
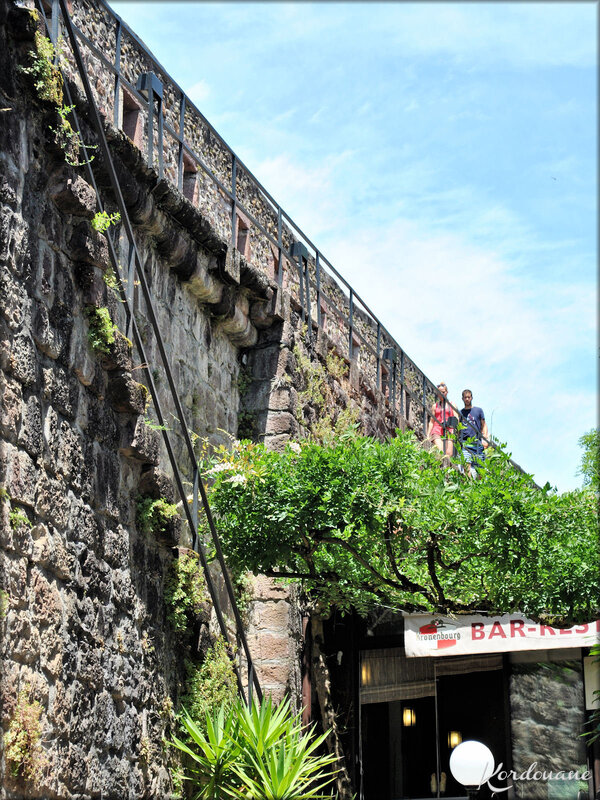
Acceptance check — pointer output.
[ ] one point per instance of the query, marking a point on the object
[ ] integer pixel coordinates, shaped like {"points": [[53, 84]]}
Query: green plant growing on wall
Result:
{"points": [[70, 141], [317, 394], [153, 516], [102, 220], [47, 80], [23, 752], [110, 279], [4, 603], [18, 518], [246, 424], [102, 331], [185, 591], [209, 685]]}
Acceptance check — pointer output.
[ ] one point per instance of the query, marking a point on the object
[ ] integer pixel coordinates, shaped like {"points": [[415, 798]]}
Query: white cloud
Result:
{"points": [[199, 92]]}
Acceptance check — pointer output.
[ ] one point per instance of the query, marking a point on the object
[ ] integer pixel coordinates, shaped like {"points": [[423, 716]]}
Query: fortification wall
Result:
{"points": [[84, 623]]}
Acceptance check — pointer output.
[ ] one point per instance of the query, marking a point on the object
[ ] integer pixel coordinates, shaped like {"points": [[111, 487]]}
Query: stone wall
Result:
{"points": [[84, 630], [547, 720]]}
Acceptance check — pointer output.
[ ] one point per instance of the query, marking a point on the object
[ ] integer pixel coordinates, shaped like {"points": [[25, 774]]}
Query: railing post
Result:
{"points": [[54, 30], [318, 276], [150, 87], [279, 249], [116, 104], [402, 409], [308, 309], [424, 406], [351, 323], [233, 198], [181, 135], [130, 286], [378, 354]]}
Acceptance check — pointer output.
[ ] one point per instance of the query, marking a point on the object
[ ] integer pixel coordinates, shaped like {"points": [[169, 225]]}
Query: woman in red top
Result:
{"points": [[438, 422]]}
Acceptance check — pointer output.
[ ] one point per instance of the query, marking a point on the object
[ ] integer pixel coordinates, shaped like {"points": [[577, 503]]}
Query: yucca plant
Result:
{"points": [[210, 754], [261, 753]]}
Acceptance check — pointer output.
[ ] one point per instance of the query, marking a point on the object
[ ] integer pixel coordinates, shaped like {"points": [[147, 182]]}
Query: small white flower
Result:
{"points": [[237, 479], [218, 468], [295, 447]]}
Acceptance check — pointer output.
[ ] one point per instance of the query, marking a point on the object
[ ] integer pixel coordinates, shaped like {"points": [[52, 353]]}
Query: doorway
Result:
{"points": [[407, 742]]}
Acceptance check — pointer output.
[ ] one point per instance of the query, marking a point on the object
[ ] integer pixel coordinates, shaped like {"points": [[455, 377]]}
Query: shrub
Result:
{"points": [[22, 741], [185, 592], [47, 80], [102, 221], [153, 516], [257, 753], [209, 686], [101, 334]]}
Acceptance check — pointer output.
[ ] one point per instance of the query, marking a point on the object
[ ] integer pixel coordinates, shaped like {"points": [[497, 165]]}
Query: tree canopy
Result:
{"points": [[590, 460], [362, 522]]}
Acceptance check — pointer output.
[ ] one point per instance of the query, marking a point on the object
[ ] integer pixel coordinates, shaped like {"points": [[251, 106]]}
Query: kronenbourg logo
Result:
{"points": [[439, 631]]}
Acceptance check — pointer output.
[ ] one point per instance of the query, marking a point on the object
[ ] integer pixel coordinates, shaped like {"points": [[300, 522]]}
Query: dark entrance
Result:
{"points": [[406, 743]]}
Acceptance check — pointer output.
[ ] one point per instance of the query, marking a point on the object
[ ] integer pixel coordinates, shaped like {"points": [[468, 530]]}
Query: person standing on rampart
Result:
{"points": [[474, 428], [440, 425]]}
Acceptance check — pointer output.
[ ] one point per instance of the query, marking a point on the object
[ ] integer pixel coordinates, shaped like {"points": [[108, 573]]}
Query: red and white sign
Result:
{"points": [[432, 635]]}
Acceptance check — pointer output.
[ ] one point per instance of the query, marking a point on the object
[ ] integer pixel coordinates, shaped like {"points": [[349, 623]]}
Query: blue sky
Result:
{"points": [[443, 157]]}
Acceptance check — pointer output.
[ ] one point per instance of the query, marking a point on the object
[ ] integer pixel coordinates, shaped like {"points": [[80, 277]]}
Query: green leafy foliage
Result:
{"points": [[102, 331], [153, 516], [101, 221], [70, 141], [590, 460], [22, 741], [185, 591], [361, 522], [262, 752], [47, 80], [18, 518], [316, 400], [210, 685]]}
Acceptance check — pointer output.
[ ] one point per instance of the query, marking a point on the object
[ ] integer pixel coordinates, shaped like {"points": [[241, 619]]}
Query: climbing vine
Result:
{"points": [[24, 755]]}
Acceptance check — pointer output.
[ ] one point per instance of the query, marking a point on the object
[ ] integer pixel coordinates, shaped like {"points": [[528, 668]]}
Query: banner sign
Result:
{"points": [[432, 635]]}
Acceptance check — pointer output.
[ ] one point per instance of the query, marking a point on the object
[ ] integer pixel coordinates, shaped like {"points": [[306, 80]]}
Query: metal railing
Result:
{"points": [[190, 510]]}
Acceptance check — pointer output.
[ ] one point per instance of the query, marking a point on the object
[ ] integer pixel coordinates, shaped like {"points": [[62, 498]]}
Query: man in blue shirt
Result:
{"points": [[473, 420]]}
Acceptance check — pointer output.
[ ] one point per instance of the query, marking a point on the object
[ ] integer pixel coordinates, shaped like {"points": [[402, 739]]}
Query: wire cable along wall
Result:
{"points": [[198, 489]]}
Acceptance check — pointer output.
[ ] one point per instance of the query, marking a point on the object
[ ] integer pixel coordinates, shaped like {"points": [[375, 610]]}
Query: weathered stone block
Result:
{"points": [[155, 484], [13, 297], [71, 193], [52, 501], [274, 674], [25, 636], [115, 546], [278, 442], [139, 441], [106, 472], [91, 283], [51, 652], [47, 605], [21, 476], [11, 397], [61, 389], [265, 588], [280, 422], [273, 615], [88, 246], [47, 339], [125, 394], [269, 647], [119, 356], [31, 435], [23, 361]]}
